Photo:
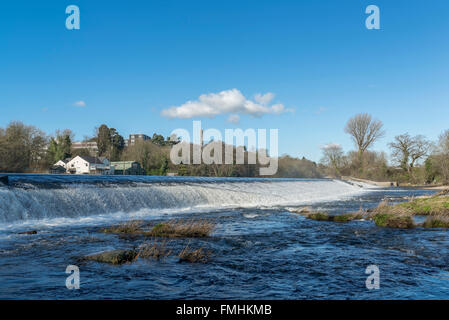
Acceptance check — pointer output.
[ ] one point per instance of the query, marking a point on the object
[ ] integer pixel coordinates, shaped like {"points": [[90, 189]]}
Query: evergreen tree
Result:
{"points": [[164, 167], [103, 139]]}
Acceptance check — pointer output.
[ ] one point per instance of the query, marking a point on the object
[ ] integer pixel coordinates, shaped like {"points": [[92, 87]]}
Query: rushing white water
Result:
{"points": [[77, 201]]}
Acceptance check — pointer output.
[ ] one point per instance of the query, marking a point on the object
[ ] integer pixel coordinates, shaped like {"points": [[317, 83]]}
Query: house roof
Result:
{"points": [[65, 161]]}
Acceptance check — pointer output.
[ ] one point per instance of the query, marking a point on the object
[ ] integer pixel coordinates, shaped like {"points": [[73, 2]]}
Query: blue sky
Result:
{"points": [[132, 59]]}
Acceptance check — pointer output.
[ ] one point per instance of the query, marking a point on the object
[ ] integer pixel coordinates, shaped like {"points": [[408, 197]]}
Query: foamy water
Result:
{"points": [[32, 201]]}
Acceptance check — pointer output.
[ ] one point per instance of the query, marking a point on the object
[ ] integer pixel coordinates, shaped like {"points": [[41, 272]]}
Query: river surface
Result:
{"points": [[259, 248]]}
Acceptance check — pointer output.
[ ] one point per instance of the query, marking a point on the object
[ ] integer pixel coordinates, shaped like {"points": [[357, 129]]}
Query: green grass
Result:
{"points": [[436, 222], [169, 229], [436, 205], [346, 217], [399, 215], [319, 216], [393, 221], [187, 229]]}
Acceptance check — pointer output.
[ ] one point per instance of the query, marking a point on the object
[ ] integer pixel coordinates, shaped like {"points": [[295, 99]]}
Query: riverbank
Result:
{"points": [[395, 184], [374, 183]]}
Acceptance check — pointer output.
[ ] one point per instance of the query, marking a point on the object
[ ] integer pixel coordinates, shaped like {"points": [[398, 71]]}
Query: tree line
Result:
{"points": [[25, 148], [415, 159], [412, 159]]}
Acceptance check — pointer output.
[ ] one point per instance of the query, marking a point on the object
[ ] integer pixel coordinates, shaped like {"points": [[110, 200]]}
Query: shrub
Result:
{"points": [[190, 255], [133, 226], [436, 222], [171, 229], [153, 250]]}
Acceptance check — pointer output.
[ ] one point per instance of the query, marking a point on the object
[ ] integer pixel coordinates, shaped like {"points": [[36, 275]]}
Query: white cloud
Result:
{"points": [[264, 98], [80, 103], [227, 101], [234, 118]]}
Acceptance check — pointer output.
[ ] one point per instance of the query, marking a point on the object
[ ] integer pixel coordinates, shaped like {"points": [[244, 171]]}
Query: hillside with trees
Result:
{"points": [[27, 149]]}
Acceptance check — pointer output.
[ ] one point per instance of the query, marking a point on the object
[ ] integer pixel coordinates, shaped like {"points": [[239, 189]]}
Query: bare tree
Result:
{"points": [[443, 143], [333, 157], [420, 148], [407, 150], [364, 130], [442, 156], [401, 149]]}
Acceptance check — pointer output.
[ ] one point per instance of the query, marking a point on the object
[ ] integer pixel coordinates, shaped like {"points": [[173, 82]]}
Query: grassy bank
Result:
{"points": [[435, 207]]}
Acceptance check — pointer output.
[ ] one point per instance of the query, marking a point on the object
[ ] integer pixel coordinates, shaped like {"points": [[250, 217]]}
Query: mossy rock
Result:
{"points": [[113, 256], [319, 216]]}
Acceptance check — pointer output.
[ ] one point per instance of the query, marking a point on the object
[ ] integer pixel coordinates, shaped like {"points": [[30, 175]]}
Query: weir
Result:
{"points": [[35, 201]]}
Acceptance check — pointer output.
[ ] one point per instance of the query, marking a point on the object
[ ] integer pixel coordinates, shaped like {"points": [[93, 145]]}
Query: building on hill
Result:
{"points": [[89, 165], [91, 146], [127, 168], [135, 137]]}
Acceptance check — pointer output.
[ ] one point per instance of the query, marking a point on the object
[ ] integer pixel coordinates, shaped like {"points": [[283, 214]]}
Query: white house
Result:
{"points": [[89, 165], [62, 163]]}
